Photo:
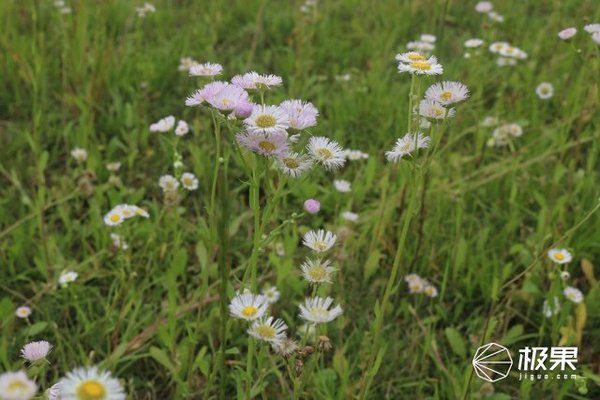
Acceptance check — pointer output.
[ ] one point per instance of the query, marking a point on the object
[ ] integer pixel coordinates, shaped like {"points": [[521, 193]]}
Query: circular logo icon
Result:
{"points": [[492, 362]]}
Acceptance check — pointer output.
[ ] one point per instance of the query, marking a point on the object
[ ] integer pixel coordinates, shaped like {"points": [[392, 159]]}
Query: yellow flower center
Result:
{"points": [[225, 102], [559, 256], [91, 390], [324, 153], [416, 57], [266, 121], [446, 96], [187, 181], [249, 311], [267, 146], [291, 163], [266, 331], [16, 386], [317, 273], [126, 213], [320, 245], [319, 312], [423, 66], [438, 112], [115, 218]]}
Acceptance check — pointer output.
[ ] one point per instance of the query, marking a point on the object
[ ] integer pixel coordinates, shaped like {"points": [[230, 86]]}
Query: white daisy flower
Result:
{"points": [[90, 384], [560, 256], [573, 294], [206, 69], [267, 119], [406, 145], [319, 241], [163, 125], [417, 285], [79, 154], [490, 121], [342, 186], [494, 16], [113, 166], [484, 7], [424, 123], [506, 62], [182, 128], [545, 90], [496, 47], [168, 183], [294, 164], [550, 311], [269, 330], [118, 242], [248, 306], [185, 63], [326, 152], [16, 386], [355, 155], [189, 181], [515, 129], [412, 278], [592, 28], [23, 312], [501, 135], [410, 57], [596, 37], [271, 294], [430, 290], [301, 114], [317, 271], [433, 109], [510, 51], [269, 144], [428, 38], [350, 216], [473, 43], [426, 67], [114, 217], [447, 92], [127, 211], [35, 351], [254, 80], [316, 310], [424, 47], [567, 34], [67, 277]]}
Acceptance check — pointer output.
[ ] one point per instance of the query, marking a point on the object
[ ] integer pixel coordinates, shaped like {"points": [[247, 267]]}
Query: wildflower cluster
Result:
{"points": [[508, 55], [416, 284], [503, 134]]}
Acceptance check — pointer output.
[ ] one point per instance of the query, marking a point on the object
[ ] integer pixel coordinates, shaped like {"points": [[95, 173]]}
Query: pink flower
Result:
{"points": [[243, 110], [568, 33], [301, 114], [312, 206], [35, 351]]}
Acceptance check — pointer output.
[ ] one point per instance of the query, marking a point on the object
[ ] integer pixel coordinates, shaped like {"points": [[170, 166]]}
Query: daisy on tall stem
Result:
{"points": [[422, 113]]}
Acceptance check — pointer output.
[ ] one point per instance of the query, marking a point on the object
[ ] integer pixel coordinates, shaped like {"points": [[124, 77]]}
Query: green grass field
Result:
{"points": [[473, 217]]}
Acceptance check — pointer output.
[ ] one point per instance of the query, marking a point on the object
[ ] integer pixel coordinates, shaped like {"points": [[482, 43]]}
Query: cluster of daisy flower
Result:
{"points": [[562, 257], [508, 55], [266, 128], [486, 7], [62, 7], [503, 134], [185, 63], [113, 168], [308, 6], [432, 107], [166, 124], [168, 183], [144, 10], [592, 29], [425, 44], [81, 383], [417, 284], [355, 155], [121, 212]]}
